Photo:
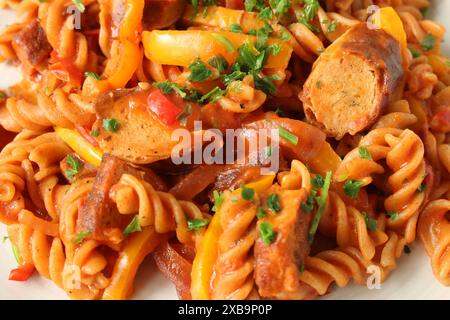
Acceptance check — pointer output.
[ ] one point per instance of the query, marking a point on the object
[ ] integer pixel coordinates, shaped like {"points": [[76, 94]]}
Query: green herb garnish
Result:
{"points": [[364, 153], [92, 75], [224, 41], [321, 201], [79, 4], [75, 166], [266, 233], [199, 71], [371, 223], [80, 237], [288, 136], [247, 193], [218, 200], [197, 224], [219, 62], [133, 226], [273, 203], [351, 188], [111, 124], [428, 42], [260, 213]]}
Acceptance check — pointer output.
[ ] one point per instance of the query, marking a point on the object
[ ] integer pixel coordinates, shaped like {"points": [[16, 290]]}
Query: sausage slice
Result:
{"points": [[31, 45], [140, 137], [97, 214], [352, 81], [278, 264]]}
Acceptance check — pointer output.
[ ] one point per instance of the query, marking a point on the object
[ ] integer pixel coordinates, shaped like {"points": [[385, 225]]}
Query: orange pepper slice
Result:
{"points": [[203, 265], [181, 48]]}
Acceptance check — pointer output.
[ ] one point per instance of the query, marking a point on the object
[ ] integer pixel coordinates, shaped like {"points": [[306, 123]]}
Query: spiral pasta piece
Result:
{"points": [[83, 276], [159, 209], [233, 270], [34, 246], [348, 226], [405, 159], [18, 172], [434, 231], [60, 109]]}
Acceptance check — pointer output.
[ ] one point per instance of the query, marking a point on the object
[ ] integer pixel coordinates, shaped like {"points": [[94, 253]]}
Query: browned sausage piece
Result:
{"points": [[141, 137], [352, 81], [278, 264], [31, 45], [97, 214], [160, 14]]}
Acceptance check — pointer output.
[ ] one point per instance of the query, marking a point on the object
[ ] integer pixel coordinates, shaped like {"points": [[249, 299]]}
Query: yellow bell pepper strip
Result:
{"points": [[206, 256], [221, 17], [325, 160], [77, 143], [131, 23], [181, 48], [125, 62], [388, 20], [137, 247], [128, 56]]}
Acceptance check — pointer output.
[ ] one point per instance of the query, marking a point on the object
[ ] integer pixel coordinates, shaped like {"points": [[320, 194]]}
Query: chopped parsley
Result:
{"points": [[79, 4], [266, 233], [197, 224], [93, 75], [428, 42], [183, 116], [424, 11], [75, 166], [332, 27], [199, 71], [393, 215], [219, 62], [317, 181], [265, 84], [95, 132], [214, 95], [422, 188], [218, 200], [280, 7], [351, 188], [308, 13], [364, 153], [234, 27], [288, 136], [260, 213], [247, 193], [265, 14], [273, 203], [302, 268], [275, 49], [167, 87], [80, 237], [16, 253], [415, 53], [370, 222], [111, 124], [321, 201], [133, 226], [224, 41], [308, 205]]}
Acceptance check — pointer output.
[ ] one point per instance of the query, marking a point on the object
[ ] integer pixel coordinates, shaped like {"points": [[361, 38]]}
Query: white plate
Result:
{"points": [[413, 278]]}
